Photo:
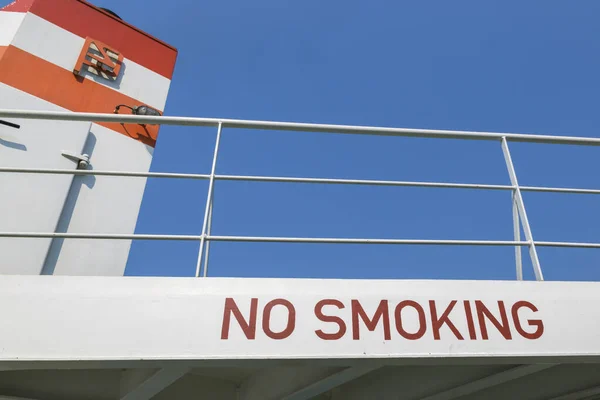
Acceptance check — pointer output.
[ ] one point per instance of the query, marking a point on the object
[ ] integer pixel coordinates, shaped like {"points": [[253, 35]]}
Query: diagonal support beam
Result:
{"points": [[331, 382], [580, 395], [489, 381], [517, 237], [15, 398], [518, 198], [208, 209], [153, 383]]}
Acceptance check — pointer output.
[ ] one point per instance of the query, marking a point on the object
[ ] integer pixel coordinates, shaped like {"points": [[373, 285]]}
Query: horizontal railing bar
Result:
{"points": [[283, 179], [558, 190], [368, 182], [103, 173], [272, 239], [265, 239], [251, 178], [303, 127], [568, 244], [269, 239], [108, 236]]}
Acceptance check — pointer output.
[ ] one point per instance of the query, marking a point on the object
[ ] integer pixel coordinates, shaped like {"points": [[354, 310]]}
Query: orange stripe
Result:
{"points": [[56, 85]]}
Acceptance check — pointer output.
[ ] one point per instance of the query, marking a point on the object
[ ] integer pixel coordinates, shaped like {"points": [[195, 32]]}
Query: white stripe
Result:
{"points": [[61, 47], [9, 23]]}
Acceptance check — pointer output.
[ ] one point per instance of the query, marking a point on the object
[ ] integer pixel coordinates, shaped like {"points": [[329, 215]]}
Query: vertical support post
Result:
{"points": [[517, 236], [521, 211], [206, 253], [209, 198]]}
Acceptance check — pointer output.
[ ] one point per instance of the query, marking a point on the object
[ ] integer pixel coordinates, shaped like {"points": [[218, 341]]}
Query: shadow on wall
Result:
{"points": [[9, 143], [67, 213], [13, 145]]}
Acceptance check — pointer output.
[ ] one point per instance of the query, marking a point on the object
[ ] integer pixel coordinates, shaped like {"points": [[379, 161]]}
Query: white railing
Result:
{"points": [[519, 211]]}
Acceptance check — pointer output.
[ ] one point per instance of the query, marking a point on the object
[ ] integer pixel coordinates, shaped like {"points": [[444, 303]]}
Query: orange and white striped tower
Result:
{"points": [[68, 55]]}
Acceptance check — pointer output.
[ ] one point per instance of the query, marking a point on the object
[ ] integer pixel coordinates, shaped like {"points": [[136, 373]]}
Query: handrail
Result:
{"points": [[301, 127], [306, 240], [205, 238], [292, 179]]}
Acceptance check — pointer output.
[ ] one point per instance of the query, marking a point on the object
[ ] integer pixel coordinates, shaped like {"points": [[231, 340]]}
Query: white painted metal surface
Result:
{"points": [[104, 204], [164, 338], [74, 337], [86, 203], [157, 318], [61, 47], [208, 208], [10, 23], [33, 202], [61, 203], [520, 204]]}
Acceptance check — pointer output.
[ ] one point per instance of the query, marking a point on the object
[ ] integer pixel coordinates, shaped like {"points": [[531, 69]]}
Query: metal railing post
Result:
{"points": [[518, 208], [208, 230], [517, 237], [209, 198], [520, 205]]}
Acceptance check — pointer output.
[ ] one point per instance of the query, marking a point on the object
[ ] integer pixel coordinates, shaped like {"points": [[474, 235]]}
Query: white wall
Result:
{"points": [[61, 203], [33, 202], [102, 204], [9, 23], [61, 47]]}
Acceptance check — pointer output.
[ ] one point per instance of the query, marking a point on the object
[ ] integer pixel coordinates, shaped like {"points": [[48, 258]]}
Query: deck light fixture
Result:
{"points": [[139, 110]]}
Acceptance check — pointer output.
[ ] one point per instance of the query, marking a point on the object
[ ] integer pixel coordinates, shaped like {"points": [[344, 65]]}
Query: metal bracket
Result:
{"points": [[16, 126], [82, 160]]}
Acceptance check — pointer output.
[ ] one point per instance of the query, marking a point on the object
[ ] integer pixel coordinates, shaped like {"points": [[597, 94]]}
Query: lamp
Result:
{"points": [[140, 110], [145, 110], [10, 124]]}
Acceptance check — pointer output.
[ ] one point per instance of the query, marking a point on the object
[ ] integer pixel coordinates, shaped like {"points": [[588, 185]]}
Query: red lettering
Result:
{"points": [[532, 322], [437, 323], [470, 324], [422, 323], [329, 318], [291, 321], [381, 313], [248, 327], [483, 311]]}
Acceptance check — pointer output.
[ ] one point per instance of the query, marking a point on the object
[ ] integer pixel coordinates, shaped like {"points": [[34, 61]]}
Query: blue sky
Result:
{"points": [[507, 66]]}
